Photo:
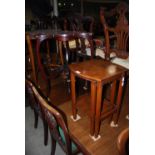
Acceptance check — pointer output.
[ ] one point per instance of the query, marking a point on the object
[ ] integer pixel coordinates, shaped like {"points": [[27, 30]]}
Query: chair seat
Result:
{"points": [[88, 52], [74, 148], [121, 62], [98, 52], [118, 61]]}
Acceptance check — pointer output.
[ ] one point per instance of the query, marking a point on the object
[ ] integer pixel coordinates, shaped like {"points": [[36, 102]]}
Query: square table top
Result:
{"points": [[97, 70]]}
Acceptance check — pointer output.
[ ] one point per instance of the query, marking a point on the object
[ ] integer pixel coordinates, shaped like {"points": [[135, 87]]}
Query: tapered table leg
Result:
{"points": [[98, 109], [119, 99], [92, 107], [73, 94]]}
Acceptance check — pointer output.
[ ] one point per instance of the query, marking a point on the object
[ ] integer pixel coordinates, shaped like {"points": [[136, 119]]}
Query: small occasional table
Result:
{"points": [[99, 73]]}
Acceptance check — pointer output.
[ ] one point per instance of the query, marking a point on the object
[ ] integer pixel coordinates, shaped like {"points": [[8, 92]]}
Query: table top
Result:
{"points": [[97, 70]]}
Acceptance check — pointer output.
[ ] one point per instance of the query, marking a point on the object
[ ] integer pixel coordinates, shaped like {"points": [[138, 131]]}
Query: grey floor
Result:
{"points": [[34, 139]]}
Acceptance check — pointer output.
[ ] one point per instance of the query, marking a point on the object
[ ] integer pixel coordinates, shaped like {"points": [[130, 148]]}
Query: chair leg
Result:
{"points": [[53, 146], [85, 87], [45, 132], [68, 85], [36, 119]]}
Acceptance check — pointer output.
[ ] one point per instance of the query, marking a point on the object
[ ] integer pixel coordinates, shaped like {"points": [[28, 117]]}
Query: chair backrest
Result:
{"points": [[118, 33], [40, 40], [86, 44], [48, 67], [32, 100], [75, 42], [66, 43], [57, 122], [123, 142], [34, 104]]}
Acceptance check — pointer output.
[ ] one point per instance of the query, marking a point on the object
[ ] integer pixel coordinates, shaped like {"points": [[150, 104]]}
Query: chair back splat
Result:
{"points": [[117, 35], [58, 127]]}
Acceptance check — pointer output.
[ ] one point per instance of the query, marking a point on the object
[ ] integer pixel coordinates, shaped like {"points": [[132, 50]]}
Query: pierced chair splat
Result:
{"points": [[116, 32]]}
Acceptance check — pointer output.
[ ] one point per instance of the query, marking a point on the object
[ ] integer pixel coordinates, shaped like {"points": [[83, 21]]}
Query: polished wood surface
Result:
{"points": [[123, 142], [107, 144], [36, 108], [57, 124], [99, 72]]}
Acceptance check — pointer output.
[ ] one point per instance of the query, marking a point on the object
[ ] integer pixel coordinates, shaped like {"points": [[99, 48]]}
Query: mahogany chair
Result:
{"points": [[116, 42], [123, 142], [63, 47], [66, 51], [73, 47], [48, 67], [36, 108], [115, 47], [58, 127], [85, 49]]}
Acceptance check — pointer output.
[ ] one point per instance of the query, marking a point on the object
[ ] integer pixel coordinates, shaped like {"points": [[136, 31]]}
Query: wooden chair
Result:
{"points": [[73, 47], [36, 108], [66, 47], [85, 50], [123, 142], [57, 123], [116, 43], [48, 69], [115, 47]]}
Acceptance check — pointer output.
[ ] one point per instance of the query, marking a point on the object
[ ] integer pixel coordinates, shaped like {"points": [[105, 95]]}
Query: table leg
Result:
{"points": [[73, 94], [93, 104], [112, 95], [98, 109], [119, 99]]}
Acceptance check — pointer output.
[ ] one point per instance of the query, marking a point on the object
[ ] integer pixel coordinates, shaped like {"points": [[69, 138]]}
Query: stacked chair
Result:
{"points": [[57, 124]]}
